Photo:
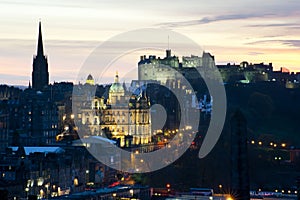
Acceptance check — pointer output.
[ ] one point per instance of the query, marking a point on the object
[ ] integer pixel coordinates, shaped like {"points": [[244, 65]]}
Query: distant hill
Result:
{"points": [[22, 87]]}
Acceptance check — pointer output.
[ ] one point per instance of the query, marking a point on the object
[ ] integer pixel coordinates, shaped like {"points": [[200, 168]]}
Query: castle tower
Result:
{"points": [[40, 74]]}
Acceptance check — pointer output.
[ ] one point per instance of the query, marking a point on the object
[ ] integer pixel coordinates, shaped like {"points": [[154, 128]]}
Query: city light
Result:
{"points": [[54, 173], [131, 192], [41, 192], [75, 181]]}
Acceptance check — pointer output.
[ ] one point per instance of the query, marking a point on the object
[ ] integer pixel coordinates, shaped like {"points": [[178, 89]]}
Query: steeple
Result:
{"points": [[40, 48], [40, 73]]}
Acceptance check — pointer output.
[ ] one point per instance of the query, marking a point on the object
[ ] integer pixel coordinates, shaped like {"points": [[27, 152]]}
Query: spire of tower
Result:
{"points": [[40, 48], [40, 73], [117, 77]]}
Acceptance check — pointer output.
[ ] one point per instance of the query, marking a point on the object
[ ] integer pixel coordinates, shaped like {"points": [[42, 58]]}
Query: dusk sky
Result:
{"points": [[233, 31]]}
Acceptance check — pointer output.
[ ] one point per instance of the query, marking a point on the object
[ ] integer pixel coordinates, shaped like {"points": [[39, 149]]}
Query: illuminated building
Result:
{"points": [[121, 116], [160, 69], [90, 80]]}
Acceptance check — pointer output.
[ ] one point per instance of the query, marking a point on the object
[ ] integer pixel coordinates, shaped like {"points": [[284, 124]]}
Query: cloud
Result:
{"points": [[294, 43], [291, 43], [292, 25], [207, 20], [255, 53]]}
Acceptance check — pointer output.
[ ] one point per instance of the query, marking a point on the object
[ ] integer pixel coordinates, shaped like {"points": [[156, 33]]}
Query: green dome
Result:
{"points": [[116, 88]]}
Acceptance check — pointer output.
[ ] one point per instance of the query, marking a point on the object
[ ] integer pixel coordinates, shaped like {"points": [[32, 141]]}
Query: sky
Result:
{"points": [[233, 31]]}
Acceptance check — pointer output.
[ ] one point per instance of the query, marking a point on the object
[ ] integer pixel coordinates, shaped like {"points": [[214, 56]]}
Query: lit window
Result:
{"points": [[75, 181]]}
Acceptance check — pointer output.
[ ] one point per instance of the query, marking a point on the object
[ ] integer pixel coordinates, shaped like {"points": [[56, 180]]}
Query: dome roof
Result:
{"points": [[90, 77], [116, 87], [90, 80]]}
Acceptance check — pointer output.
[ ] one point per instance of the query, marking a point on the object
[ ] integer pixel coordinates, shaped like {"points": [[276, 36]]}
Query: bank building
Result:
{"points": [[122, 116]]}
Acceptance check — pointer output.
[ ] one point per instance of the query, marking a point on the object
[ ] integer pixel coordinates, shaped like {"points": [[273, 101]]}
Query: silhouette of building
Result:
{"points": [[9, 92], [38, 117], [40, 74], [4, 128], [240, 185]]}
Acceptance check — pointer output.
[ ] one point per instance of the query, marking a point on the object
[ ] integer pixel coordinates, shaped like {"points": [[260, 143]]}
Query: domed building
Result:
{"points": [[116, 92], [90, 80], [123, 117]]}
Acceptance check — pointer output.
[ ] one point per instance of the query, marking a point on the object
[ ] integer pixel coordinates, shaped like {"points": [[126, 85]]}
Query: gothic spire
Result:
{"points": [[40, 48]]}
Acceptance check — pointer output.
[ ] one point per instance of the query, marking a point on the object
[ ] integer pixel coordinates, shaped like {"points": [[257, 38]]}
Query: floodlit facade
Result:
{"points": [[122, 116]]}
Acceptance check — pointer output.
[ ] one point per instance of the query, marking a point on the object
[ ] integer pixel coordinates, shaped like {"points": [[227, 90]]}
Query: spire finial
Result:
{"points": [[117, 77]]}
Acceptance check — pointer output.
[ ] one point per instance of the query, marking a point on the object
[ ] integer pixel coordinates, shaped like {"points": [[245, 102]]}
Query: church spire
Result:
{"points": [[40, 73], [40, 48]]}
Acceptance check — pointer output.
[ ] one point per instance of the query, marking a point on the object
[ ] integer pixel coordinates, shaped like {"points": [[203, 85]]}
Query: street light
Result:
{"points": [[26, 190]]}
